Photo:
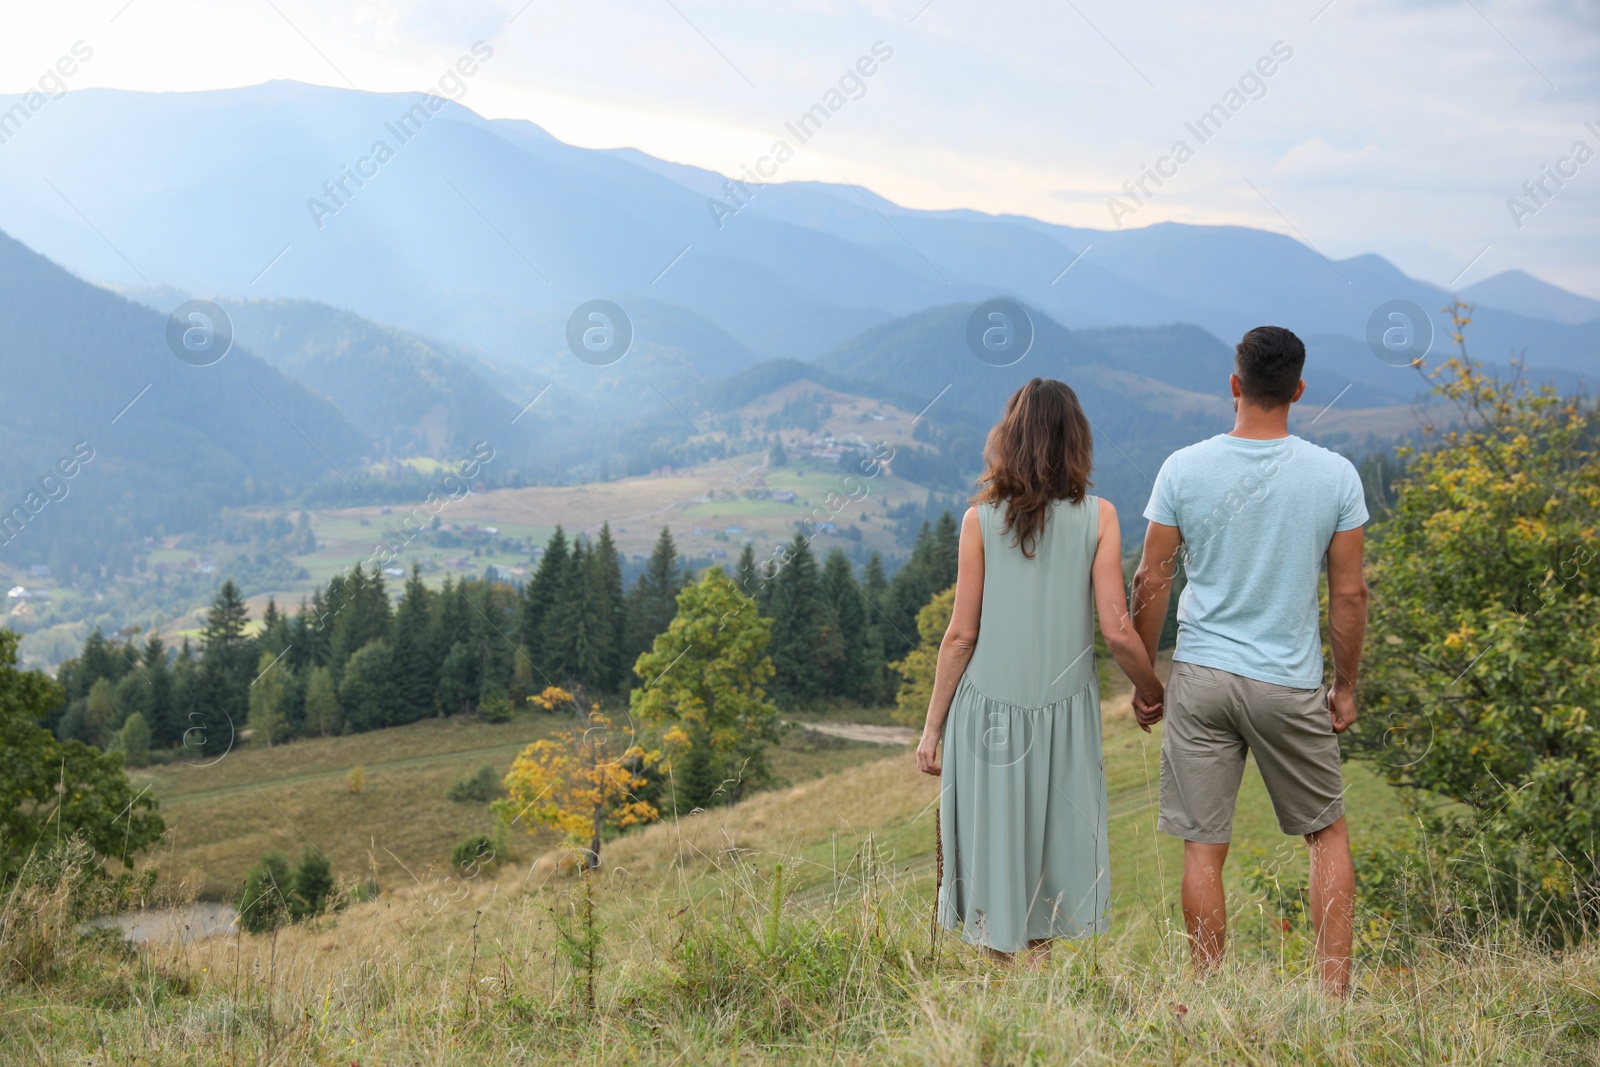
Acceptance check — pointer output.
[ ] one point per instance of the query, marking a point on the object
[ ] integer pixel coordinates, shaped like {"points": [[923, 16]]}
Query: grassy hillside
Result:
{"points": [[222, 817], [707, 951]]}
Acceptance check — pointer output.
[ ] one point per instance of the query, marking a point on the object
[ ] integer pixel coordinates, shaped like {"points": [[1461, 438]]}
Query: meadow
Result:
{"points": [[792, 928]]}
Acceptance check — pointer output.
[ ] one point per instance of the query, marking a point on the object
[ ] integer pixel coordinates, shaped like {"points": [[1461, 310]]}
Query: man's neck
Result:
{"points": [[1259, 424]]}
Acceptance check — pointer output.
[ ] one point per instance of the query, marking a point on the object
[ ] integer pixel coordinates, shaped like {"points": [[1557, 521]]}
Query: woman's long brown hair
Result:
{"points": [[1039, 452]]}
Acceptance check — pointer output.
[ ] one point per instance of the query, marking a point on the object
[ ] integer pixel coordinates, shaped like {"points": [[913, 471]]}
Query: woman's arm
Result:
{"points": [[1111, 604], [960, 638]]}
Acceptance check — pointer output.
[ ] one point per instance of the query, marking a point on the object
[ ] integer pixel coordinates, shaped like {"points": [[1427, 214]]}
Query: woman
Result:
{"points": [[1016, 697]]}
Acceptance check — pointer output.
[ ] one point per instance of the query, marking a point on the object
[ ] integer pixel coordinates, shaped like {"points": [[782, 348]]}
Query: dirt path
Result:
{"points": [[860, 731]]}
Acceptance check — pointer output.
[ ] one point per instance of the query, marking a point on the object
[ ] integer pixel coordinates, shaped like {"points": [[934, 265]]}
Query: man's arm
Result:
{"points": [[1347, 623], [1152, 583]]}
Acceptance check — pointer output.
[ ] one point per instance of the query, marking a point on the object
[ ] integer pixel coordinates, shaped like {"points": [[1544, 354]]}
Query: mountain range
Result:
{"points": [[426, 304], [488, 233]]}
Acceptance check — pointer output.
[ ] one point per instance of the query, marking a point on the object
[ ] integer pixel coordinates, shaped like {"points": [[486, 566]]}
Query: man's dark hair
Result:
{"points": [[1268, 362]]}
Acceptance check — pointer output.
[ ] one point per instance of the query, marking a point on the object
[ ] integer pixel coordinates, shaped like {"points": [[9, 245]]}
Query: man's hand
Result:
{"points": [[1148, 709], [928, 756], [1342, 708]]}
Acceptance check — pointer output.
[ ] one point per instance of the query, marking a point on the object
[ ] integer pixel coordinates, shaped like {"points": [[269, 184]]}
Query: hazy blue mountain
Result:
{"points": [[922, 363], [1190, 358], [1224, 278], [487, 234], [411, 397], [467, 214], [1519, 291], [170, 441]]}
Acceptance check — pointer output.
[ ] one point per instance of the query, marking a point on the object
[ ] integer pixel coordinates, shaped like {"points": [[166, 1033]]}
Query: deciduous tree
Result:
{"points": [[580, 782]]}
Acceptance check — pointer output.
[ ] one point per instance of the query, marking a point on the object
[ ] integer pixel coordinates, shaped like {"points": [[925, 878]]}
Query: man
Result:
{"points": [[1255, 512]]}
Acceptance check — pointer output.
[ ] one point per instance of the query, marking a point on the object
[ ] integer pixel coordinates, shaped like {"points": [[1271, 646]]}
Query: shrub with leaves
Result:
{"points": [[264, 906], [50, 895], [275, 896], [59, 788], [472, 854], [1482, 675], [480, 788], [920, 666], [581, 782]]}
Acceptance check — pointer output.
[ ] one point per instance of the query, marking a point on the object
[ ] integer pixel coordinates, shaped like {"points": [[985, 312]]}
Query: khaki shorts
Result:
{"points": [[1213, 719]]}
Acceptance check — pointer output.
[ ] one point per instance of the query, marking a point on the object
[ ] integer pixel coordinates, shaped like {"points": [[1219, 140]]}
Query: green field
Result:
{"points": [[792, 928], [223, 816]]}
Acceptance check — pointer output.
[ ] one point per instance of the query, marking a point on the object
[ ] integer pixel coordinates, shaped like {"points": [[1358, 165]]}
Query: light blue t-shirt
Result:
{"points": [[1256, 518]]}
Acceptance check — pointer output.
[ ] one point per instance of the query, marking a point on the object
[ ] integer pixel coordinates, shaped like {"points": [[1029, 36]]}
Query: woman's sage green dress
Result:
{"points": [[1023, 803]]}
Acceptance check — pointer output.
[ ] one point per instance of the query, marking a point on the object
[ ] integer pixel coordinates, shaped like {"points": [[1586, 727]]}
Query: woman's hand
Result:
{"points": [[1148, 707], [928, 755]]}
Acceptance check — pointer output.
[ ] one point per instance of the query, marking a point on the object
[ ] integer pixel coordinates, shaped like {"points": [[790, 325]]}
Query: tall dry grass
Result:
{"points": [[704, 952]]}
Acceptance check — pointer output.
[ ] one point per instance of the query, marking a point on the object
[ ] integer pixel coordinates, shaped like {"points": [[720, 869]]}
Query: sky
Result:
{"points": [[1406, 128]]}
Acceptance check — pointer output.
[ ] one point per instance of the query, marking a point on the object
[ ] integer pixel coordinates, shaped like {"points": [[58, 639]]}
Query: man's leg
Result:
{"points": [[1333, 891], [1205, 911]]}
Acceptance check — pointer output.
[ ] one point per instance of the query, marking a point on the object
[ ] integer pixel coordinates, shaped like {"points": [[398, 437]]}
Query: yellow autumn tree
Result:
{"points": [[918, 668], [578, 782]]}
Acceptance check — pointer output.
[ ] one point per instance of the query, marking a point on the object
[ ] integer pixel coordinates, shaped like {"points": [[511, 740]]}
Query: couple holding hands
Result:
{"points": [[1255, 514]]}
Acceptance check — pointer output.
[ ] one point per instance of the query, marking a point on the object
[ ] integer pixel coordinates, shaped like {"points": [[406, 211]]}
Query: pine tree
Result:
{"points": [[594, 631], [877, 684], [450, 623], [160, 711], [312, 885], [653, 600], [839, 589], [562, 634], [944, 558], [311, 635], [806, 647], [912, 586], [745, 575], [362, 615], [539, 595], [696, 783], [494, 608], [202, 733], [274, 635], [607, 565], [458, 680], [264, 906], [226, 663], [416, 665]]}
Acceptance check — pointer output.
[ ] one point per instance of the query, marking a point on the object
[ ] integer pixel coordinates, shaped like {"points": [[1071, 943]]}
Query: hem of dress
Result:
{"points": [[1087, 930]]}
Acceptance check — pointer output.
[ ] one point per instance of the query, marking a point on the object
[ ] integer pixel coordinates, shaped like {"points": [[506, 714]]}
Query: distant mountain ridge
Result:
{"points": [[170, 441], [487, 234]]}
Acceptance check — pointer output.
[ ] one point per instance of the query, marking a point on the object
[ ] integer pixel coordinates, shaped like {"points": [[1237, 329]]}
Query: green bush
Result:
{"points": [[496, 707], [473, 854], [312, 890], [274, 896], [265, 904], [46, 901], [134, 740], [1484, 658], [481, 787]]}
